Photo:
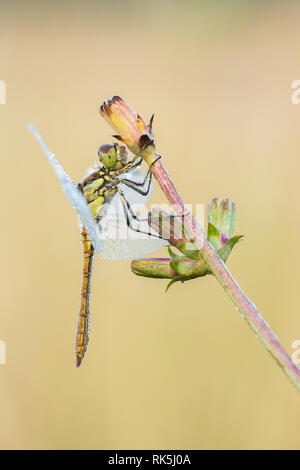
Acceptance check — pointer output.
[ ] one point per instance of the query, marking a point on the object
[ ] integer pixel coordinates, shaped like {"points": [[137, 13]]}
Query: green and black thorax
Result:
{"points": [[99, 188], [101, 185]]}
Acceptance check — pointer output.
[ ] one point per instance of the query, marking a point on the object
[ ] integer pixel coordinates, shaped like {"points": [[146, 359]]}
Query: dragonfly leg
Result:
{"points": [[136, 185], [130, 166], [130, 213]]}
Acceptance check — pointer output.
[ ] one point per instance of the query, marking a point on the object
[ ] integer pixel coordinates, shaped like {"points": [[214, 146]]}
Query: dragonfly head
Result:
{"points": [[113, 157]]}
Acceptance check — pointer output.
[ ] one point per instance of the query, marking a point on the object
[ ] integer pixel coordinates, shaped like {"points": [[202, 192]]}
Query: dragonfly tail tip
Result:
{"points": [[78, 362]]}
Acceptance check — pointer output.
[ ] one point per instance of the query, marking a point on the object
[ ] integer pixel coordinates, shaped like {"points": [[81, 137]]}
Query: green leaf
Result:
{"points": [[213, 236], [190, 250], [226, 250], [171, 253], [175, 279]]}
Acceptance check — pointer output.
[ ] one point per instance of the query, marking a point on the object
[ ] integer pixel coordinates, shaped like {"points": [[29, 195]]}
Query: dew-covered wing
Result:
{"points": [[73, 195], [120, 241]]}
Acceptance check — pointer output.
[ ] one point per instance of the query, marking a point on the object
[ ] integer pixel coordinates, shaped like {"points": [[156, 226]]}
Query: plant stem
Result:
{"points": [[247, 309]]}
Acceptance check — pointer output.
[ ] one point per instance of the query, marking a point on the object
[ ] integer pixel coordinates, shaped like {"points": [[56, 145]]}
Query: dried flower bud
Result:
{"points": [[130, 128]]}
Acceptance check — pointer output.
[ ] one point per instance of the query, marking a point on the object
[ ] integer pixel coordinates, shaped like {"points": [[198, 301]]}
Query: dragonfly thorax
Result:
{"points": [[113, 156]]}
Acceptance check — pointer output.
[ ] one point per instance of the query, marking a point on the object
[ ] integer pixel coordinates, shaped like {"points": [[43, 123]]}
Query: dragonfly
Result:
{"points": [[104, 201]]}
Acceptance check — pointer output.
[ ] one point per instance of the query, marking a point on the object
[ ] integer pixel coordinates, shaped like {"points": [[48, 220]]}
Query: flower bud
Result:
{"points": [[130, 128], [221, 220]]}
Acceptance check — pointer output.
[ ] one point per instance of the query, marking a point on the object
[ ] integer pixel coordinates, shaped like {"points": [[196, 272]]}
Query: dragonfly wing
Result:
{"points": [[111, 238], [120, 241], [73, 194], [128, 249]]}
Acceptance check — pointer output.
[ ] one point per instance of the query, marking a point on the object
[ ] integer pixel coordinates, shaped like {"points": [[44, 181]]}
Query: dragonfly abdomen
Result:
{"points": [[98, 188], [82, 335]]}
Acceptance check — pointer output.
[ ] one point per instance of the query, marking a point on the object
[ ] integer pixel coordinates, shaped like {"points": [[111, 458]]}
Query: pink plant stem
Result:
{"points": [[247, 309]]}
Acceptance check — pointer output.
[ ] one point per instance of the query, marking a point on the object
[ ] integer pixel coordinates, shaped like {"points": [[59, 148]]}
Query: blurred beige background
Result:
{"points": [[175, 370]]}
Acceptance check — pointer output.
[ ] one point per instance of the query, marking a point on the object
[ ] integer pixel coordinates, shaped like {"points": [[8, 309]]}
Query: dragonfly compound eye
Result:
{"points": [[107, 155]]}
